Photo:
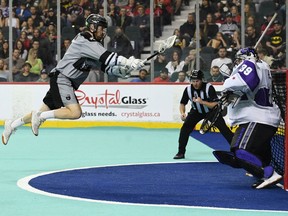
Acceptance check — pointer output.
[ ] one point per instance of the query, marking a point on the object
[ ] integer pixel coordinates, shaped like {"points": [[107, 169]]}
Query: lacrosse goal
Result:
{"points": [[280, 140]]}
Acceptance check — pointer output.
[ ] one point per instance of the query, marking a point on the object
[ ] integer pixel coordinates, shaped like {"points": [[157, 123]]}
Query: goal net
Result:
{"points": [[278, 142]]}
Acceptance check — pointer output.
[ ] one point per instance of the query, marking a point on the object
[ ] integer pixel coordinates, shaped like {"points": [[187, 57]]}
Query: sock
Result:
{"points": [[18, 122], [47, 114]]}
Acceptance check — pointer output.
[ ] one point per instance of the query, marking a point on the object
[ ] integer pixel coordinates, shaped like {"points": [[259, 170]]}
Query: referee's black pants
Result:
{"points": [[189, 124]]}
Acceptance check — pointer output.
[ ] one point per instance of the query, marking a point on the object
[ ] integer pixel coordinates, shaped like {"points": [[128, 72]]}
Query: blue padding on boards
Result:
{"points": [[185, 184]]}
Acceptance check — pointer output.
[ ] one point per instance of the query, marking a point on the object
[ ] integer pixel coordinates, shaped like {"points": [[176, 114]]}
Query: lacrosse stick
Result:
{"points": [[163, 45]]}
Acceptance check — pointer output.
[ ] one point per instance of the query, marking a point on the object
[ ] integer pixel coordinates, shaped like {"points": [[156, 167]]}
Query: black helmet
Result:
{"points": [[196, 75], [95, 20]]}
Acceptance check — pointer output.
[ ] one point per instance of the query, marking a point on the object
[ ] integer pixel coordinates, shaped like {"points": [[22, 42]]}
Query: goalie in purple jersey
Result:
{"points": [[256, 116], [85, 52]]}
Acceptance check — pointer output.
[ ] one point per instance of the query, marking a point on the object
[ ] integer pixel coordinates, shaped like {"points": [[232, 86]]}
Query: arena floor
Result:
{"points": [[124, 171]]}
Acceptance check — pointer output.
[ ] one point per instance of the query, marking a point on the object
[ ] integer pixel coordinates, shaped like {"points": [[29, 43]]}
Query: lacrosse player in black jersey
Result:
{"points": [[203, 98], [85, 52]]}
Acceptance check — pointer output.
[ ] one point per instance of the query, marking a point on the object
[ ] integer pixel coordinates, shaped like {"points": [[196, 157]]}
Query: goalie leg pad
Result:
{"points": [[226, 157], [250, 163]]}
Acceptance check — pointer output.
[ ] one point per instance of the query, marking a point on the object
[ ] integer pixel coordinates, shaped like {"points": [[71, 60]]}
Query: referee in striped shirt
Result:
{"points": [[203, 98]]}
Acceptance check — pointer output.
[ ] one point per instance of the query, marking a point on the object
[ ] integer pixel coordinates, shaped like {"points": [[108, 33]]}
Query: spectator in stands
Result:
{"points": [[205, 8], [190, 61], [182, 78], [25, 75], [23, 52], [113, 12], [44, 49], [236, 17], [2, 19], [159, 63], [175, 65], [35, 62], [222, 59], [218, 17], [187, 29], [28, 26], [108, 18], [79, 23], [43, 76], [120, 44], [24, 39], [74, 11], [235, 44], [22, 12], [142, 77], [44, 5], [51, 17], [252, 22], [216, 76], [51, 34], [4, 51], [4, 8], [5, 75], [209, 28], [251, 36], [276, 39], [131, 9], [179, 41], [263, 55], [17, 62], [164, 77], [65, 46], [265, 24], [217, 42], [123, 20], [35, 16], [228, 27], [248, 12], [143, 22]]}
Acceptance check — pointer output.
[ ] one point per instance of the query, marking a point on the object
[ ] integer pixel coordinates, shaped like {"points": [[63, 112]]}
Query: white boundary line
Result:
{"points": [[23, 183]]}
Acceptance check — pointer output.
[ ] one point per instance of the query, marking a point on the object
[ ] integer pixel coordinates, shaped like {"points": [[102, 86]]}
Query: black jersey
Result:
{"points": [[206, 93]]}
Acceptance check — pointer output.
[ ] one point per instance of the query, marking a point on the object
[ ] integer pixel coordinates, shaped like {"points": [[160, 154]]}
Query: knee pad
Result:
{"points": [[253, 164]]}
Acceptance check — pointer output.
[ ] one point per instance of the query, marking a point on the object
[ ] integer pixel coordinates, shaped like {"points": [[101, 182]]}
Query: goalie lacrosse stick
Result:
{"points": [[212, 116]]}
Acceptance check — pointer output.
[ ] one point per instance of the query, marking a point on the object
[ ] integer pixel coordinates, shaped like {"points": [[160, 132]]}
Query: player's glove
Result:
{"points": [[131, 63], [230, 97], [119, 71]]}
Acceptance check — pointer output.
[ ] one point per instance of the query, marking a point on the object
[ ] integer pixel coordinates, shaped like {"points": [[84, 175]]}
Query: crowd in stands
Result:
{"points": [[35, 37]]}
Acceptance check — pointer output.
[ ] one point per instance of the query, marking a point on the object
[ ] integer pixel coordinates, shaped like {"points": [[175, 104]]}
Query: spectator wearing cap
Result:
{"points": [[163, 77], [50, 17], [25, 75], [22, 12], [43, 76], [73, 11], [276, 39], [229, 26], [159, 63], [267, 18]]}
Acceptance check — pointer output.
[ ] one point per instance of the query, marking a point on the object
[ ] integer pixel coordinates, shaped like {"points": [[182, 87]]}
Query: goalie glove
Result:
{"points": [[230, 97], [131, 63], [119, 71]]}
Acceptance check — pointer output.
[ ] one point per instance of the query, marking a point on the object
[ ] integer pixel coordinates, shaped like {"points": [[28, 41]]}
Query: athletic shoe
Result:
{"points": [[274, 179], [179, 156], [257, 183], [36, 121], [8, 130]]}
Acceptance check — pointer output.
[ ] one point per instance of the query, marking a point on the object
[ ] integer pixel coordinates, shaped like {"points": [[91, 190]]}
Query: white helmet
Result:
{"points": [[245, 54]]}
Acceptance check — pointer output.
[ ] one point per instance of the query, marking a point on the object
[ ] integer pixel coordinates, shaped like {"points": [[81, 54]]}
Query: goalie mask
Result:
{"points": [[93, 21], [245, 54]]}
